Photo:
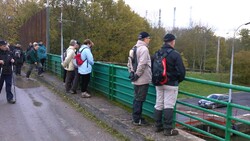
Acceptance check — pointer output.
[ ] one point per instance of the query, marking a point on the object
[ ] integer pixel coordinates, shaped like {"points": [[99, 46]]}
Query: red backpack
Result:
{"points": [[77, 59]]}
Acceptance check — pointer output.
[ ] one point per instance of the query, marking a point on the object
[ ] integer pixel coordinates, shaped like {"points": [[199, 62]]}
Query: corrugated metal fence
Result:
{"points": [[34, 29]]}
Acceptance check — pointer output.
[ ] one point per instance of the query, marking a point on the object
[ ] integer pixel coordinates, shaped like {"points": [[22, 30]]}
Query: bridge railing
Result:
{"points": [[112, 81], [230, 120]]}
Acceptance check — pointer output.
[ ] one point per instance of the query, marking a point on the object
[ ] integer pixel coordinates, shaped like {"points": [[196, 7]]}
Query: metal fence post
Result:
{"points": [[228, 122]]}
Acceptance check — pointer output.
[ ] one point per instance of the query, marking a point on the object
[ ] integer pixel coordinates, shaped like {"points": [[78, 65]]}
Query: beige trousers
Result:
{"points": [[166, 96]]}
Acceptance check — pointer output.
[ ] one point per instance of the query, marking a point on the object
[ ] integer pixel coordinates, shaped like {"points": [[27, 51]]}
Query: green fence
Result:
{"points": [[53, 64], [112, 80]]}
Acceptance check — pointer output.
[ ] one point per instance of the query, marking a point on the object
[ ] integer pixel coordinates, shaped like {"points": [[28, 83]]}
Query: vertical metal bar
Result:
{"points": [[174, 116], [228, 122]]}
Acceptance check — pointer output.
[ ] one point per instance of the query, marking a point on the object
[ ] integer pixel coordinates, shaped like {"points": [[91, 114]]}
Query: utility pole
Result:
{"points": [[159, 23], [61, 26], [218, 56], [47, 27], [232, 61], [174, 18]]}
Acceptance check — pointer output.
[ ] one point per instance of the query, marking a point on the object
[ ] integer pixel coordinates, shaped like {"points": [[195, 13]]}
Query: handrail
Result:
{"points": [[112, 80]]}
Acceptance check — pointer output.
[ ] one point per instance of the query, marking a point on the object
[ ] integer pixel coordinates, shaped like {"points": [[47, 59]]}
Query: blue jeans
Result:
{"points": [[8, 82]]}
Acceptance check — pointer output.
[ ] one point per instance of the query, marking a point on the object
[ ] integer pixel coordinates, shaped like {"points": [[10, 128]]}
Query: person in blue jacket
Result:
{"points": [[86, 68], [42, 54]]}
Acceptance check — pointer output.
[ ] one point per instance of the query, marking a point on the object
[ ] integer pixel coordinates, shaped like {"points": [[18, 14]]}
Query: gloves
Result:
{"points": [[133, 77]]}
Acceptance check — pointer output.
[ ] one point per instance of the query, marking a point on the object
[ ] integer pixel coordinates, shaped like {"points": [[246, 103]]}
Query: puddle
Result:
{"points": [[35, 102]]}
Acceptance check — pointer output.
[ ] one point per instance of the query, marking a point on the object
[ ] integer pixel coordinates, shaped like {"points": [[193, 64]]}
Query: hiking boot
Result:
{"points": [[85, 95], [141, 122], [11, 101], [170, 132], [40, 75]]}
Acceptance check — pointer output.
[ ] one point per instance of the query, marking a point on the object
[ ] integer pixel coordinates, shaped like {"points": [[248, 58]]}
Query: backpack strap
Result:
{"points": [[168, 52], [135, 61], [86, 58]]}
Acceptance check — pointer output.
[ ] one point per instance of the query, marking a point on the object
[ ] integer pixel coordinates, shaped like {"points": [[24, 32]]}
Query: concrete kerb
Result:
{"points": [[114, 116]]}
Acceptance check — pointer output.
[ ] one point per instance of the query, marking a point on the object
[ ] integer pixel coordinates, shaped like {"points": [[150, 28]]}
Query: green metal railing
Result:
{"points": [[112, 80], [228, 115]]}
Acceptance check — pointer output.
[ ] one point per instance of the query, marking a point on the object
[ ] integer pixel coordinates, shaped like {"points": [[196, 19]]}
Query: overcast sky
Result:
{"points": [[224, 16]]}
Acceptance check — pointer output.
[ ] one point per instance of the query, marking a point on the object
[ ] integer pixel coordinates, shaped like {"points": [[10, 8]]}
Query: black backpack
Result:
{"points": [[134, 62], [159, 67]]}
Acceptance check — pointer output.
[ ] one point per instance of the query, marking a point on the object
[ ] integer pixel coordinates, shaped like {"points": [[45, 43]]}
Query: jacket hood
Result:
{"points": [[141, 43]]}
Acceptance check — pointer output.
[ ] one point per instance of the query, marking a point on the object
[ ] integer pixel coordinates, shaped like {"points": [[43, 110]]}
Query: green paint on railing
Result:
{"points": [[112, 80]]}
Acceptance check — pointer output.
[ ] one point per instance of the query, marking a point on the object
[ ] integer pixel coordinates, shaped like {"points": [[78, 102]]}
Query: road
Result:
{"points": [[40, 115]]}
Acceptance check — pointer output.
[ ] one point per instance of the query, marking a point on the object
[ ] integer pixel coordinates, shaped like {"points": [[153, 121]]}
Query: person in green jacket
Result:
{"points": [[33, 61]]}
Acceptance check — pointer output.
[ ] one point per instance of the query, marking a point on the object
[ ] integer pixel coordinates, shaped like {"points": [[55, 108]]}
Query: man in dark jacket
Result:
{"points": [[19, 58], [6, 62], [166, 95], [33, 61]]}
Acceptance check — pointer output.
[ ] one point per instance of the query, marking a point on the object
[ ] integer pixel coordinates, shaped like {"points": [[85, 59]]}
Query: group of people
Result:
{"points": [[36, 55], [75, 72], [166, 94], [12, 58]]}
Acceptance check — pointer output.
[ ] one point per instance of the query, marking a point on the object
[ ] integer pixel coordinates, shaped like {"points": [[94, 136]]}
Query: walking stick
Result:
{"points": [[13, 82]]}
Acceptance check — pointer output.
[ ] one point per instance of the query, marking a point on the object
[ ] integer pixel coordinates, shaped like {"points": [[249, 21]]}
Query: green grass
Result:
{"points": [[203, 89]]}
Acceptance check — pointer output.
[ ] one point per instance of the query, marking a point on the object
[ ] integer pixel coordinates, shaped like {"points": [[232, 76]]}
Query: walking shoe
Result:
{"points": [[72, 92], [85, 95], [170, 132], [141, 122], [11, 101]]}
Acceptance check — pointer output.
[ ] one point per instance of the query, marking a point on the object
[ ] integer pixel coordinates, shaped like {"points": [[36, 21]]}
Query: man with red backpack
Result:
{"points": [[166, 93]]}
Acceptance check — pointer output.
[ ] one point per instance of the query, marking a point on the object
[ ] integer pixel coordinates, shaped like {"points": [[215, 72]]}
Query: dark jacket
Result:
{"points": [[18, 55], [6, 56], [33, 57], [175, 69]]}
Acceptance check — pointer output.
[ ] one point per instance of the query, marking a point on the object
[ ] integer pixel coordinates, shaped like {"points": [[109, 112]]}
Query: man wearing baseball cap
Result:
{"points": [[6, 62], [139, 67], [166, 94]]}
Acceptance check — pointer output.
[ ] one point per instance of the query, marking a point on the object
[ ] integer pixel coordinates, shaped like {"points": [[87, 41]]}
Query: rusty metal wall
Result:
{"points": [[34, 29]]}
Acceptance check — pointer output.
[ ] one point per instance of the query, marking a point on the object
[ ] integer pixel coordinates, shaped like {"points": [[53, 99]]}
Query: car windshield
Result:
{"points": [[213, 96]]}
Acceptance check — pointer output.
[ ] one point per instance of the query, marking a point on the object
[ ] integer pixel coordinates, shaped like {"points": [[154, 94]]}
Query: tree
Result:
{"points": [[245, 40], [242, 67]]}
